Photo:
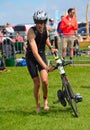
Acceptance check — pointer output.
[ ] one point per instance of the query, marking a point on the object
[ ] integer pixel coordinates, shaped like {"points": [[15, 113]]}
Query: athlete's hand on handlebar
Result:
{"points": [[54, 50], [49, 69]]}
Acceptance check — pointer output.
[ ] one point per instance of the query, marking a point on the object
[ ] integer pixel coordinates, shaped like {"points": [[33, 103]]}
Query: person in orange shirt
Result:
{"points": [[68, 26]]}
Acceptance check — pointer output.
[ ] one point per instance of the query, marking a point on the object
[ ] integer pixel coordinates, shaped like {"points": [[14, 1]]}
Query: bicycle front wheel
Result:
{"points": [[70, 97]]}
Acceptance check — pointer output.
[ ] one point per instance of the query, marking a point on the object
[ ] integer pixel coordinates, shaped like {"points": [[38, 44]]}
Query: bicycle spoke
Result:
{"points": [[70, 97]]}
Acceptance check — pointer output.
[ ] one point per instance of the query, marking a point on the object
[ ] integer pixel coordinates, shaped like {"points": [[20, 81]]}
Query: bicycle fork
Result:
{"points": [[66, 85]]}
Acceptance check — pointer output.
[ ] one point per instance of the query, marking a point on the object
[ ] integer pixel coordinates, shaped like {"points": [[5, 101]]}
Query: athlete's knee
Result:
{"points": [[37, 85], [36, 82], [45, 82]]}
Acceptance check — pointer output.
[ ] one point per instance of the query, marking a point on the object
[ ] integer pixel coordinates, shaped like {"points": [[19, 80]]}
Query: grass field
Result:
{"points": [[17, 104]]}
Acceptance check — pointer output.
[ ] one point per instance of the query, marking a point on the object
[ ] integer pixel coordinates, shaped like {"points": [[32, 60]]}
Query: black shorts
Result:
{"points": [[32, 64]]}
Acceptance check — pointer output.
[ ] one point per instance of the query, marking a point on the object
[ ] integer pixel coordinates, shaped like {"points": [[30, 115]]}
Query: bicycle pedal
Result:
{"points": [[78, 98]]}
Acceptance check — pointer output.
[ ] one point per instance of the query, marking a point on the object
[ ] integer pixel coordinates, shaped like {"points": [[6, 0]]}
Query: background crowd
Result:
{"points": [[62, 34]]}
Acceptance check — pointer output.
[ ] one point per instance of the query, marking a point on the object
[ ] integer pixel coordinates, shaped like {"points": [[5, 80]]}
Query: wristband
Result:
{"points": [[50, 47]]}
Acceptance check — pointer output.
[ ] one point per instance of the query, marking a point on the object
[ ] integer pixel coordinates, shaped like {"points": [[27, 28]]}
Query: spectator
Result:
{"points": [[53, 33], [19, 38], [58, 27], [25, 44], [24, 47], [9, 30], [4, 30], [1, 32], [76, 45], [1, 35], [2, 67], [68, 26]]}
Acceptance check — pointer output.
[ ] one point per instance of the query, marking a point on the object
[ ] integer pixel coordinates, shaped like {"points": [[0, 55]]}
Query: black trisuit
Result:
{"points": [[32, 64]]}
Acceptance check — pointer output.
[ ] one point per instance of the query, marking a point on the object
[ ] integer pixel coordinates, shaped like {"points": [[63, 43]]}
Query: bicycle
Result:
{"points": [[66, 95]]}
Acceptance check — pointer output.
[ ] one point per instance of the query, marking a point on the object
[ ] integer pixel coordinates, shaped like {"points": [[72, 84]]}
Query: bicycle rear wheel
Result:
{"points": [[70, 97]]}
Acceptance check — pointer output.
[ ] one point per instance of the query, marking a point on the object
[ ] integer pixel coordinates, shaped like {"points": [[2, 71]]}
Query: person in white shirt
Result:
{"points": [[53, 32], [9, 30]]}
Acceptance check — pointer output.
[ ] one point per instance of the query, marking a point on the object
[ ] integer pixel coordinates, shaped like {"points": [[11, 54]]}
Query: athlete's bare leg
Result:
{"points": [[44, 79], [37, 92]]}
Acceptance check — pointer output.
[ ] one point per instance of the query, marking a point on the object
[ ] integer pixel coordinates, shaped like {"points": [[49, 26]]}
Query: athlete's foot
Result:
{"points": [[46, 107], [38, 109]]}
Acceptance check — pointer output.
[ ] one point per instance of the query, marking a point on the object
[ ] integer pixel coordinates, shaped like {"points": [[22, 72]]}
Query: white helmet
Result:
{"points": [[40, 16]]}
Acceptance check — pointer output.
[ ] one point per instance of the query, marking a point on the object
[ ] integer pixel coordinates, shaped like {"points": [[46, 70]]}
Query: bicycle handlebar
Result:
{"points": [[62, 63]]}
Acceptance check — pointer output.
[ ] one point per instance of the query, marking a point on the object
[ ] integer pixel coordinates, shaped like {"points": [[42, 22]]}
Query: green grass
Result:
{"points": [[17, 104]]}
